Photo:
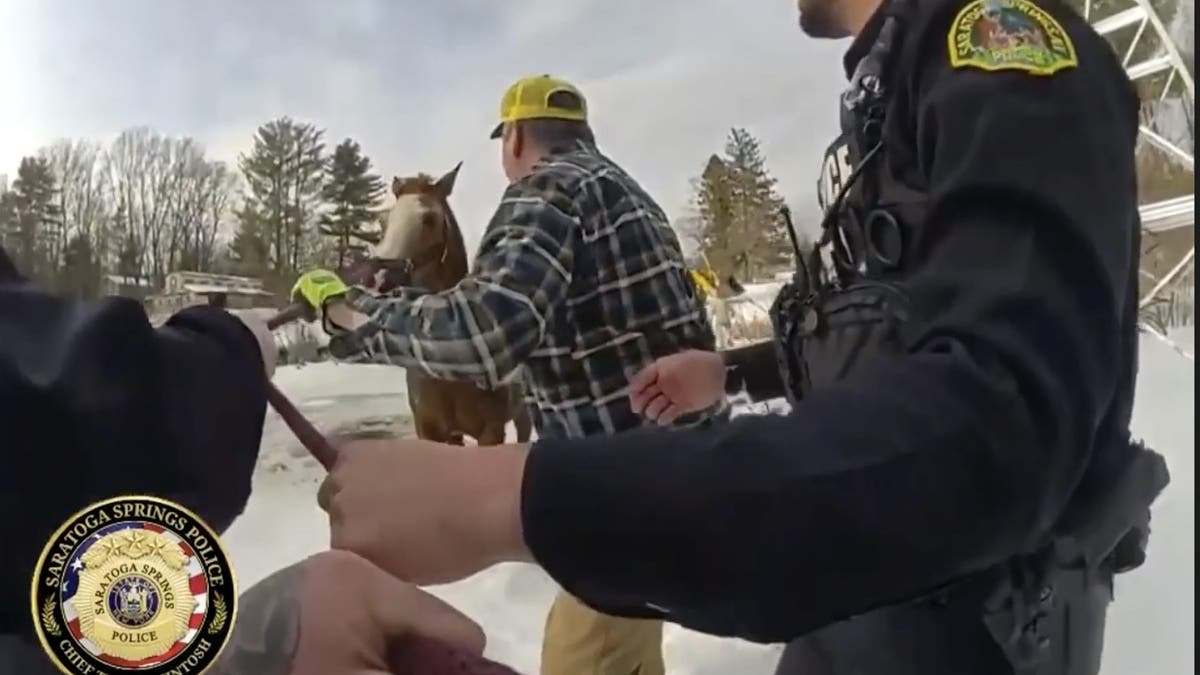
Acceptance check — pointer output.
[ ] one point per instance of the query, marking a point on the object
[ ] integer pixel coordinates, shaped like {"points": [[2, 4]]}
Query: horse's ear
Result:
{"points": [[396, 183], [445, 184]]}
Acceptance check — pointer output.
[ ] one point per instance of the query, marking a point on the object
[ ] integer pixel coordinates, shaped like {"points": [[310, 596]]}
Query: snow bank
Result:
{"points": [[1150, 627]]}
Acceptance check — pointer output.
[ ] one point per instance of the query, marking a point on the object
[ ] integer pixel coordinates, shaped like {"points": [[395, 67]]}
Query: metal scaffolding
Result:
{"points": [[1152, 60]]}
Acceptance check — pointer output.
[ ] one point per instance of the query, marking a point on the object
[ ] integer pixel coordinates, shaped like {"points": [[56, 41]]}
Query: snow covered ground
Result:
{"points": [[1150, 629]]}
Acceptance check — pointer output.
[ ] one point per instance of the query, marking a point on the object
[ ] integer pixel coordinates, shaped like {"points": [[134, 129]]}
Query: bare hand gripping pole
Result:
{"points": [[413, 655]]}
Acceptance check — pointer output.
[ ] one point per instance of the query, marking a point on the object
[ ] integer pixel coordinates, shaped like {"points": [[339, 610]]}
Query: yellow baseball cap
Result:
{"points": [[529, 99]]}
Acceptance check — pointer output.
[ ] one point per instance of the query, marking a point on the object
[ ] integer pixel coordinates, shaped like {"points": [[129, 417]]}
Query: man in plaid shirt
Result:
{"points": [[580, 279]]}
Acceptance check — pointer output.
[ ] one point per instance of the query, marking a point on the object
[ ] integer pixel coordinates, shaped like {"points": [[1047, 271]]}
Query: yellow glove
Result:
{"points": [[317, 287]]}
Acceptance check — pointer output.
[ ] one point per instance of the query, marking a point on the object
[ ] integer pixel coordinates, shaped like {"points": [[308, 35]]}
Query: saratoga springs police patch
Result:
{"points": [[1009, 35], [133, 584]]}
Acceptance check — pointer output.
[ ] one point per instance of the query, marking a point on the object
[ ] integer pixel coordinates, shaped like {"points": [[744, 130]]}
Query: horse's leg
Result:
{"points": [[524, 423], [429, 430], [492, 434]]}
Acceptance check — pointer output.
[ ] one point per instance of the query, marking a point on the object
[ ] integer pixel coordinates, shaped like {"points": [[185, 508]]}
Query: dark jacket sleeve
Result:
{"points": [[95, 403], [919, 470]]}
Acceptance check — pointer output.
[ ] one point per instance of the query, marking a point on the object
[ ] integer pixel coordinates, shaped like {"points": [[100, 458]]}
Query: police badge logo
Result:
{"points": [[134, 584], [1009, 35]]}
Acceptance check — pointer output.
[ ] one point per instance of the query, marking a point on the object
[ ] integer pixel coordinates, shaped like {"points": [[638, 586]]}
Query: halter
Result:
{"points": [[403, 268], [407, 267]]}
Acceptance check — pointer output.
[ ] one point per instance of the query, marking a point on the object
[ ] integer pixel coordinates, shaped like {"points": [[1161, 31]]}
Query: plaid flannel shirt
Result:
{"points": [[579, 278]]}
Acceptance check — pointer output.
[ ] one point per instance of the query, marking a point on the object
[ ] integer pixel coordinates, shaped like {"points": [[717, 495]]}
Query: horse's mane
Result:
{"points": [[455, 230], [455, 246], [427, 184]]}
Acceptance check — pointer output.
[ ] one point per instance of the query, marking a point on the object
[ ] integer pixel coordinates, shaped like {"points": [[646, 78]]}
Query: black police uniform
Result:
{"points": [[95, 403], [948, 491]]}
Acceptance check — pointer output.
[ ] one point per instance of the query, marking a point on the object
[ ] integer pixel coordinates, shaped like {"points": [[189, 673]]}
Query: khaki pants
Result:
{"points": [[582, 641]]}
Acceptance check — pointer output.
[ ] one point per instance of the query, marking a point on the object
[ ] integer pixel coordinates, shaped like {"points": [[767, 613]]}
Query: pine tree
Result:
{"points": [[714, 209], [249, 252], [284, 173], [767, 244], [34, 219], [8, 220], [742, 231], [353, 194]]}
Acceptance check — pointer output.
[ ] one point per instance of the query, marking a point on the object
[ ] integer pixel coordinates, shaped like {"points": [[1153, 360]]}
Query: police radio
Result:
{"points": [[827, 321]]}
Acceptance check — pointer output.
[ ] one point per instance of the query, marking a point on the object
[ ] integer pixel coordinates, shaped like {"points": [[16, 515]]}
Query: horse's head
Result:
{"points": [[419, 234]]}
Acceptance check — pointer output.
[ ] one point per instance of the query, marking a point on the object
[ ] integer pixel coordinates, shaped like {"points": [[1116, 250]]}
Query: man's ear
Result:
{"points": [[518, 139], [445, 184]]}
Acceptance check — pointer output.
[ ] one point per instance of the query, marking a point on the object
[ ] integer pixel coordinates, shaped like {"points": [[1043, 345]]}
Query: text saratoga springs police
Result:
{"points": [[172, 519]]}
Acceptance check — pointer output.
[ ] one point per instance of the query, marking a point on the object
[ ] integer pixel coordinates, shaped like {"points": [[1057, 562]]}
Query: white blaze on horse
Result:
{"points": [[422, 246]]}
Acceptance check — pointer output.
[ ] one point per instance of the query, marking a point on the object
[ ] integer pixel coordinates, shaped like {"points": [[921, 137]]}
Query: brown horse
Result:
{"points": [[421, 245]]}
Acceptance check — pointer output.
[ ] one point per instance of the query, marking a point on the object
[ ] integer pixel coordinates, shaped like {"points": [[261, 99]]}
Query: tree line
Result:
{"points": [[149, 204]]}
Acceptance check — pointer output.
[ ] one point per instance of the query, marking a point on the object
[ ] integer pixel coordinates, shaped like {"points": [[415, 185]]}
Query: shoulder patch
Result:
{"points": [[998, 35]]}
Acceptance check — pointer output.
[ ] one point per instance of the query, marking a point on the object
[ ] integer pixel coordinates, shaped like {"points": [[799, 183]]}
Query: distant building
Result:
{"points": [[185, 289], [125, 287]]}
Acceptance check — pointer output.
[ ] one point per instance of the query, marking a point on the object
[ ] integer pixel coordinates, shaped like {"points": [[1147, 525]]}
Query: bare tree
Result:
{"points": [[205, 202], [170, 201], [125, 165], [220, 191], [185, 178], [84, 204]]}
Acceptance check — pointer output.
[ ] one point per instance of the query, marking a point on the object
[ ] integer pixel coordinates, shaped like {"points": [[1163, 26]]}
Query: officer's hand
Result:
{"points": [[427, 512], [678, 384], [337, 613], [318, 287]]}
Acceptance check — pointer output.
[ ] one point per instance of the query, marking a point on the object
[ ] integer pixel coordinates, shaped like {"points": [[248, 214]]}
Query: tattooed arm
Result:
{"points": [[335, 613], [267, 632]]}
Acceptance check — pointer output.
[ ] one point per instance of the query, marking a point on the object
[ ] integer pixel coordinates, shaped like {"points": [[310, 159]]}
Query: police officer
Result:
{"points": [[955, 484]]}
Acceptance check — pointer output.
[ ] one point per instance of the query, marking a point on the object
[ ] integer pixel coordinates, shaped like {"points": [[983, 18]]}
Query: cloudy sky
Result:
{"points": [[418, 82]]}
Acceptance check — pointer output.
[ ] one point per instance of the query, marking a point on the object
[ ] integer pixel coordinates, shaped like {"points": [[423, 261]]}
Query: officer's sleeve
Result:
{"points": [[913, 472], [95, 402], [212, 365]]}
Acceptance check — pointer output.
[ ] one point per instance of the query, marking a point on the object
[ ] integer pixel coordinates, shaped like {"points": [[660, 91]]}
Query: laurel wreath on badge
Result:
{"points": [[122, 587], [220, 614], [48, 620]]}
